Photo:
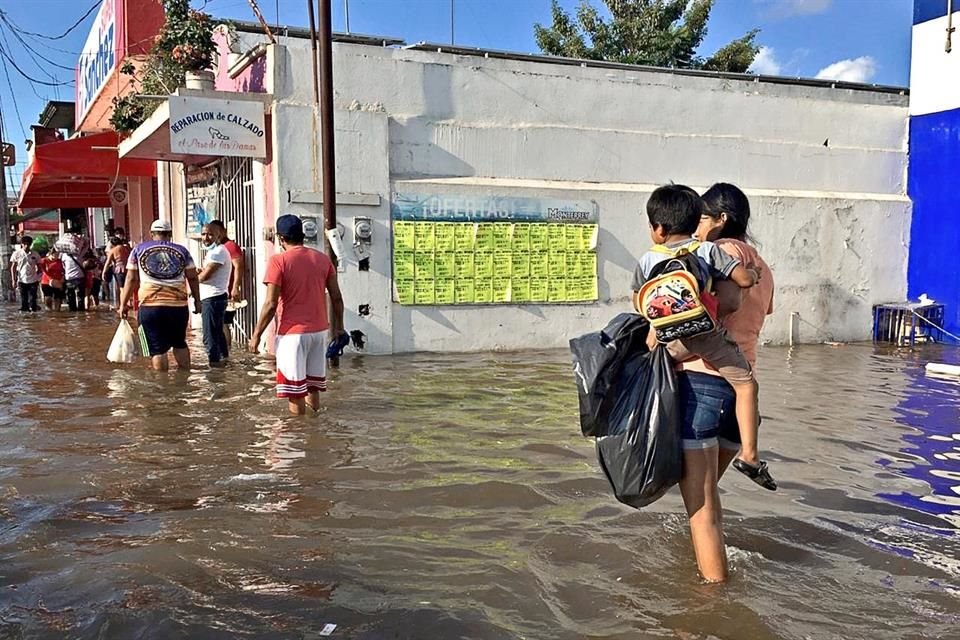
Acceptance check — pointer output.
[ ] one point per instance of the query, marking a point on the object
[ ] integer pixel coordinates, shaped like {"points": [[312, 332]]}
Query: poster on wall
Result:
{"points": [[211, 127], [496, 250], [202, 197]]}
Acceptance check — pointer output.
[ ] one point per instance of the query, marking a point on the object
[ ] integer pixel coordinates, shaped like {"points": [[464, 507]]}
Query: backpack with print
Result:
{"points": [[676, 297]]}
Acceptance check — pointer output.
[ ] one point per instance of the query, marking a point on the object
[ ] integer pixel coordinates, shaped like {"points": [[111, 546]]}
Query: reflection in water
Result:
{"points": [[452, 497]]}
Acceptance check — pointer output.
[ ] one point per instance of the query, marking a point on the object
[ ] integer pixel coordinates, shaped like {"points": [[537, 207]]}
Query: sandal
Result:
{"points": [[759, 474]]}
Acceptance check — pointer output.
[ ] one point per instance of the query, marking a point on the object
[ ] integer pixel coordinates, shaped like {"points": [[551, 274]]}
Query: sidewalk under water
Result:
{"points": [[451, 496]]}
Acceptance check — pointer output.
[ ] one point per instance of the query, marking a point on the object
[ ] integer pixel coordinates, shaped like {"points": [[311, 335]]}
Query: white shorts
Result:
{"points": [[301, 364]]}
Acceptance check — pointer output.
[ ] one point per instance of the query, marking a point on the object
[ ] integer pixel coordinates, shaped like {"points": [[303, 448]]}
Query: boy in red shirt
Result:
{"points": [[298, 280]]}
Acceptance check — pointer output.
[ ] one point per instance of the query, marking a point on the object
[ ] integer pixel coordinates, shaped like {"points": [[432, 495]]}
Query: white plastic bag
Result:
{"points": [[124, 345]]}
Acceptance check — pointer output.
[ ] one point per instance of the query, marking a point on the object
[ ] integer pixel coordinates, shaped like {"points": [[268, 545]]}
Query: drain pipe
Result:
{"points": [[950, 27]]}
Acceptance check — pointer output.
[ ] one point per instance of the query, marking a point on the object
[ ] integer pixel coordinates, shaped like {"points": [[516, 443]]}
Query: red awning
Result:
{"points": [[78, 173]]}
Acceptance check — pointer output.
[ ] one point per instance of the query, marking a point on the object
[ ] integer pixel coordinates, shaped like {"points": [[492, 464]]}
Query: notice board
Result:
{"points": [[493, 250]]}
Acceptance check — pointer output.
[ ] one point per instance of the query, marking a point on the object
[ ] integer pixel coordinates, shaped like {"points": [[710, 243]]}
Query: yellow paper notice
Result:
{"points": [[501, 289], [558, 265], [423, 265], [520, 267], [445, 237], [502, 264], [588, 265], [483, 290], [403, 265], [539, 238], [502, 236], [539, 264], [571, 265], [403, 236], [485, 237], [588, 237], [404, 291], [464, 263], [445, 266], [558, 236], [463, 290], [483, 264], [444, 291], [521, 289], [572, 237], [424, 235], [465, 236], [558, 290], [539, 289], [521, 237], [423, 291]]}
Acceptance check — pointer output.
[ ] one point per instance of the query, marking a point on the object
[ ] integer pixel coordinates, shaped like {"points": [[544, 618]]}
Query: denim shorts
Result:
{"points": [[707, 412]]}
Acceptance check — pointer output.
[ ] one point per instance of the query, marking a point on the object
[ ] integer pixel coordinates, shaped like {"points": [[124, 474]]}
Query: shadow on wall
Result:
{"points": [[414, 152], [611, 250], [829, 306], [404, 334]]}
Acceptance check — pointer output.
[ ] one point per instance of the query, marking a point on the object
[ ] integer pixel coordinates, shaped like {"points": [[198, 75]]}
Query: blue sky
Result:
{"points": [[858, 40]]}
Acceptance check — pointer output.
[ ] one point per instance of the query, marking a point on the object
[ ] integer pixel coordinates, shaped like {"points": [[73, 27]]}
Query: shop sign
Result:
{"points": [[458, 208], [210, 127], [99, 57]]}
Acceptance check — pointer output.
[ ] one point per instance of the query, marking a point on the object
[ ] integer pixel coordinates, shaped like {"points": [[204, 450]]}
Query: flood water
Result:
{"points": [[452, 497]]}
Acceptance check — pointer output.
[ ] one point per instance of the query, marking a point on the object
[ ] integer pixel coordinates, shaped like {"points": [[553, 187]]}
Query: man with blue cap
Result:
{"points": [[298, 280]]}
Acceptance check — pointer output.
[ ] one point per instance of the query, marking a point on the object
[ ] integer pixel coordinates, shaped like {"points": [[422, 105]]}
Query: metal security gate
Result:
{"points": [[235, 207]]}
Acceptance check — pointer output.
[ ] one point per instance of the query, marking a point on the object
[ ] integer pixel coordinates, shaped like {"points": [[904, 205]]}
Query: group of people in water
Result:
{"points": [[70, 271]]}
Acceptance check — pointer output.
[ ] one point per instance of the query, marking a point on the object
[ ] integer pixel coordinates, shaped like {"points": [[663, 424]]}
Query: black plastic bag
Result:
{"points": [[628, 401]]}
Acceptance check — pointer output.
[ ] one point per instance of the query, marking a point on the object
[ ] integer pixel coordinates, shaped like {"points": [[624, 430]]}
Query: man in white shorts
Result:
{"points": [[298, 280]]}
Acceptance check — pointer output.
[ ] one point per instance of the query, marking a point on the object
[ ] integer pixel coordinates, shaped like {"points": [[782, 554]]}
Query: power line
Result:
{"points": [[30, 50], [13, 63], [68, 31]]}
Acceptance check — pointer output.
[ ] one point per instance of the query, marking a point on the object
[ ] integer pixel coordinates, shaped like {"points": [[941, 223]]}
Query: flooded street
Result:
{"points": [[452, 497]]}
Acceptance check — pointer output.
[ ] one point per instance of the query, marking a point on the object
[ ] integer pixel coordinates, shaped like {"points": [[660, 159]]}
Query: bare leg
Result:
{"points": [[160, 363], [726, 457], [297, 406], [748, 418], [701, 497], [314, 400], [182, 356]]}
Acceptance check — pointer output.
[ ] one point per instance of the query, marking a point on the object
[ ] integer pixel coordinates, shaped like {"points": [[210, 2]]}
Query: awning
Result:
{"points": [[78, 173]]}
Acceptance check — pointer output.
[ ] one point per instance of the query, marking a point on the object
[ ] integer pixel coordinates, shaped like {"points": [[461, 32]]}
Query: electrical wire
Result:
{"points": [[13, 63], [30, 50], [68, 31], [6, 42]]}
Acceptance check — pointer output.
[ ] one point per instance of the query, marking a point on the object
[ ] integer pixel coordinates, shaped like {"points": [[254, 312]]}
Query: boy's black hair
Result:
{"points": [[676, 208], [26, 240]]}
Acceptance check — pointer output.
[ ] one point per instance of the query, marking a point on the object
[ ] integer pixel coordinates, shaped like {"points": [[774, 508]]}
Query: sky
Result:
{"points": [[854, 40]]}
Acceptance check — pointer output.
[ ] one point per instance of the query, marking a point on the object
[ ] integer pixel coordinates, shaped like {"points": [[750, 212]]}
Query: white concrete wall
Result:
{"points": [[930, 64], [825, 169]]}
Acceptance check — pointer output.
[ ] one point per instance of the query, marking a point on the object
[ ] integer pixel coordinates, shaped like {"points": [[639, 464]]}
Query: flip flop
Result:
{"points": [[759, 474]]}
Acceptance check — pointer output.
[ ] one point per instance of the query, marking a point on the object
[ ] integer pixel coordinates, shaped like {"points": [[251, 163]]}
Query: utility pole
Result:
{"points": [[6, 250], [329, 175], [452, 13]]}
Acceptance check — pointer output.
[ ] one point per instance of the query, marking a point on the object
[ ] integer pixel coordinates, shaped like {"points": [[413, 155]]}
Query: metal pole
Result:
{"points": [[313, 47], [950, 28], [6, 250], [452, 2], [326, 120], [346, 13]]}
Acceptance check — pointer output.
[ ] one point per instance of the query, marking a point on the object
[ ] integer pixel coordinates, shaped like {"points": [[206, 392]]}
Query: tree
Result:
{"points": [[660, 33]]}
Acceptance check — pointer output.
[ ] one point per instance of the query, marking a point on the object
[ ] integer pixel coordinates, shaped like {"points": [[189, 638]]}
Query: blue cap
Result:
{"points": [[289, 225]]}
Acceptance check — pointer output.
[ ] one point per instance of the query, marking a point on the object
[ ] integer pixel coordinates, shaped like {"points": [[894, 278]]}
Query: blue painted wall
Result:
{"points": [[934, 187]]}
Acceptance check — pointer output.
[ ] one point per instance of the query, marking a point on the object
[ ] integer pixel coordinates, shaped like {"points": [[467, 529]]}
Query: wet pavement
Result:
{"points": [[452, 497]]}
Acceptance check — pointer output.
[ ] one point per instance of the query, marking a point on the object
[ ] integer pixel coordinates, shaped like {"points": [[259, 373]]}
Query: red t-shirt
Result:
{"points": [[235, 252], [302, 276], [52, 269]]}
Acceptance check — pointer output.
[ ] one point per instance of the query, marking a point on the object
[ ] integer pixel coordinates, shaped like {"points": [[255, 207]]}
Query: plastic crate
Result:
{"points": [[907, 323]]}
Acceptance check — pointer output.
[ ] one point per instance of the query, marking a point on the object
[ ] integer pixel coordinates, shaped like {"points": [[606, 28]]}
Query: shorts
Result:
{"points": [[718, 350], [301, 364], [50, 291], [708, 414], [228, 316], [162, 329]]}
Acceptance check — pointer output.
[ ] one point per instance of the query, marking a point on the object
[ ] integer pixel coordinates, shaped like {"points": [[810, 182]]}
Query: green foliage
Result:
{"points": [[661, 33], [185, 43]]}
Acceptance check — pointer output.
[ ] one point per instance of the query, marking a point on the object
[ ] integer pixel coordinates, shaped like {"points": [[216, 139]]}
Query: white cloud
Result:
{"points": [[787, 8], [766, 63], [860, 69]]}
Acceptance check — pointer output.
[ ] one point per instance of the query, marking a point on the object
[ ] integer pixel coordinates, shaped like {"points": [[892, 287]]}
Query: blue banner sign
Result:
{"points": [[445, 208]]}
